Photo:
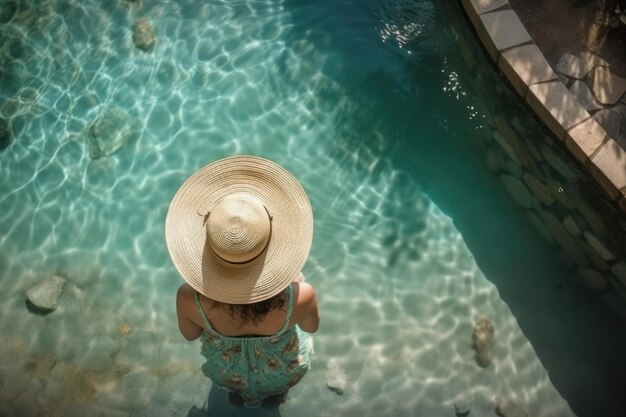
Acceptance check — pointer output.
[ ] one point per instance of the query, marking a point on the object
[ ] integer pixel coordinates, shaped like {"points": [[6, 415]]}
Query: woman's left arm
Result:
{"points": [[184, 299]]}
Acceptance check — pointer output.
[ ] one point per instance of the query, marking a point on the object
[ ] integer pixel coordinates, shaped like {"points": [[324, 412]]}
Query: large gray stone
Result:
{"points": [[584, 96], [111, 130], [46, 294], [572, 66], [608, 87], [610, 120]]}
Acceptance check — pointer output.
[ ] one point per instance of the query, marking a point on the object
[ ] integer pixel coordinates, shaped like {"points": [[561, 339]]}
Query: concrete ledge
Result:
{"points": [[584, 139], [556, 106], [475, 8], [505, 38], [608, 167], [524, 66], [501, 30]]}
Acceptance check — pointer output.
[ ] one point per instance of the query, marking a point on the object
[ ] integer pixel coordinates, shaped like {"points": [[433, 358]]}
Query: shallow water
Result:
{"points": [[366, 103]]}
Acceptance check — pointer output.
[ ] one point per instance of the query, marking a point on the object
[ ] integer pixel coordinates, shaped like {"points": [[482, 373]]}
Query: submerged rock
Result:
{"points": [[482, 341], [336, 379], [109, 132], [143, 34], [125, 329], [45, 295], [507, 407], [463, 404]]}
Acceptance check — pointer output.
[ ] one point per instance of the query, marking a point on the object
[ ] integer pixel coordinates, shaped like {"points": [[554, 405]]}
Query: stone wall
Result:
{"points": [[571, 182]]}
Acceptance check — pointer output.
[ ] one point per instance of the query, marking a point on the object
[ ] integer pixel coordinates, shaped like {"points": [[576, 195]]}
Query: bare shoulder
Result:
{"points": [[185, 301], [306, 313], [305, 292], [185, 293]]}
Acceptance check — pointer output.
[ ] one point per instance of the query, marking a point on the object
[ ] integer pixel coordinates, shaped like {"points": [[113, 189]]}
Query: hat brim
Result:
{"points": [[291, 231]]}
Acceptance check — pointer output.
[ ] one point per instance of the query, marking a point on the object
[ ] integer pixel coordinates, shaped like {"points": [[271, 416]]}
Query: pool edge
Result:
{"points": [[516, 55]]}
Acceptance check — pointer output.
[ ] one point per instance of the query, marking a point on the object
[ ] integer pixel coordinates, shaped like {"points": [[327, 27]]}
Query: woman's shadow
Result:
{"points": [[218, 405]]}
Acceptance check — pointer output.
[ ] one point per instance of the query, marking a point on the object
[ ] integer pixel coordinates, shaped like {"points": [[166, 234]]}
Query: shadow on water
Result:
{"points": [[432, 136], [218, 405]]}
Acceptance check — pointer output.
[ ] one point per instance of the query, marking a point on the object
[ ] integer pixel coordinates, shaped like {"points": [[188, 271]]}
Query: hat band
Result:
{"points": [[251, 259]]}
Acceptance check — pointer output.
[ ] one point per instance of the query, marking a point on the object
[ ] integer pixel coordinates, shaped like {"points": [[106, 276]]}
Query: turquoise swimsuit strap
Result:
{"points": [[210, 328], [205, 319]]}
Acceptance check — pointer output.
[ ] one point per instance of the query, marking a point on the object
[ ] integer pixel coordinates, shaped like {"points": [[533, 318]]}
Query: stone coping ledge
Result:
{"points": [[515, 53]]}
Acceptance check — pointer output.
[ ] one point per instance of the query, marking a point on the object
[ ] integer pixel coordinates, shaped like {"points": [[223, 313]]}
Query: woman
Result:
{"points": [[239, 232]]}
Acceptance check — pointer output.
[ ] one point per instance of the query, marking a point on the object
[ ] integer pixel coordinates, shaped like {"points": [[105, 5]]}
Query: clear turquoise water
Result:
{"points": [[373, 107]]}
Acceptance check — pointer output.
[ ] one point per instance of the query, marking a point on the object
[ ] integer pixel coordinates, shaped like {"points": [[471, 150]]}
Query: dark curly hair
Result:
{"points": [[254, 313]]}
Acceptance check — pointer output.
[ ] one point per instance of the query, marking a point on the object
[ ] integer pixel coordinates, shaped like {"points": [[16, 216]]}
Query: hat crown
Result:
{"points": [[238, 228]]}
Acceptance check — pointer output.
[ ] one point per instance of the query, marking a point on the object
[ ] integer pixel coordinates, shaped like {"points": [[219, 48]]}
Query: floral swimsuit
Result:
{"points": [[259, 366]]}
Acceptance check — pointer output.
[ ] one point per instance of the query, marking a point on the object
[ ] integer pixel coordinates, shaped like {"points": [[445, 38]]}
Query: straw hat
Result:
{"points": [[239, 230]]}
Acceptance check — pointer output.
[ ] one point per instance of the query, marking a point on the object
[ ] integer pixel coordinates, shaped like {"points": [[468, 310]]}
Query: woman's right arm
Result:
{"points": [[307, 303], [184, 301]]}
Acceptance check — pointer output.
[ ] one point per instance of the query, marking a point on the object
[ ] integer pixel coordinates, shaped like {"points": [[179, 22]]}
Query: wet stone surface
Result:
{"points": [[585, 96]]}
